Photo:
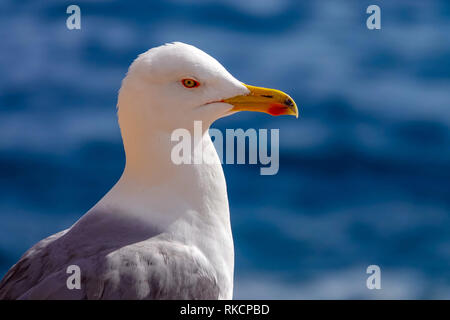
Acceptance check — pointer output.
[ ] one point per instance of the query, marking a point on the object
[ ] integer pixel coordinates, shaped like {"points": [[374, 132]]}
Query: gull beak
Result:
{"points": [[271, 101]]}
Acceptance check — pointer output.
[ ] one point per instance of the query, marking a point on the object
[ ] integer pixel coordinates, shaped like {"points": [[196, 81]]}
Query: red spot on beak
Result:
{"points": [[277, 109]]}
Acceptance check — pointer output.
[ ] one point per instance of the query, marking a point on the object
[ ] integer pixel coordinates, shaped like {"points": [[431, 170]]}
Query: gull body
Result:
{"points": [[163, 231]]}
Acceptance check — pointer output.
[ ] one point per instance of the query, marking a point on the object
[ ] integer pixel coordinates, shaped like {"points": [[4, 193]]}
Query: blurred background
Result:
{"points": [[364, 171]]}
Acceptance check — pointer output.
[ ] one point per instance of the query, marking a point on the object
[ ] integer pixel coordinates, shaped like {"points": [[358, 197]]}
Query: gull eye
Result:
{"points": [[190, 83]]}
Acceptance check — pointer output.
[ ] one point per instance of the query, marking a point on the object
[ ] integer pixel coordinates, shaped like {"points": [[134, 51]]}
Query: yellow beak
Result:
{"points": [[271, 101]]}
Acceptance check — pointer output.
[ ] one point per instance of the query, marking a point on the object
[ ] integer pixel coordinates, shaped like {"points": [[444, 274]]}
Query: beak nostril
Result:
{"points": [[266, 96]]}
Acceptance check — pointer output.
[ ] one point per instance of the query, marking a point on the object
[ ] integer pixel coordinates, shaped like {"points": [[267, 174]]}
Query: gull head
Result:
{"points": [[173, 85]]}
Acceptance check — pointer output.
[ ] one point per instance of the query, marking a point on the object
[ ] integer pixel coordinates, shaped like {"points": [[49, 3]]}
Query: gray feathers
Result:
{"points": [[119, 264]]}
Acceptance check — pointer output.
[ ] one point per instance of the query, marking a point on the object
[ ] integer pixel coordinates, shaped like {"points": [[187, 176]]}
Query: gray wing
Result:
{"points": [[29, 270], [155, 270], [112, 267]]}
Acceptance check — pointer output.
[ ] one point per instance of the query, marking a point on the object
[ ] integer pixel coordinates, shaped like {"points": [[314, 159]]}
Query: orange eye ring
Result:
{"points": [[190, 83]]}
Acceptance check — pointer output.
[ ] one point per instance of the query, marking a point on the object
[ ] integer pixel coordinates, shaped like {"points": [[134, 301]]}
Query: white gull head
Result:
{"points": [[156, 89]]}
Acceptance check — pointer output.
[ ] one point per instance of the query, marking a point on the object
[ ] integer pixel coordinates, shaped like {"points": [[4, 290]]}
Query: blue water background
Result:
{"points": [[364, 172]]}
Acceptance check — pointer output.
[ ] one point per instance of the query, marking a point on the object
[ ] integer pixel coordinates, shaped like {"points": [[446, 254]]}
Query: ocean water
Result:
{"points": [[364, 172]]}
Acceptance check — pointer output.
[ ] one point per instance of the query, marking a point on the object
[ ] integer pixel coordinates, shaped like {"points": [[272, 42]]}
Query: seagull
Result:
{"points": [[163, 230]]}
